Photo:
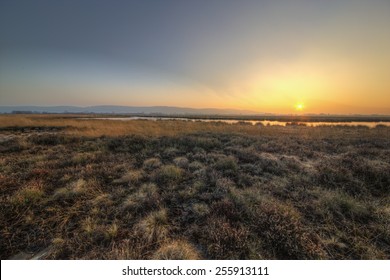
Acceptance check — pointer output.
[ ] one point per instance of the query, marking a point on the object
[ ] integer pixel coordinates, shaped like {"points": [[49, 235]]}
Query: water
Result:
{"points": [[253, 122]]}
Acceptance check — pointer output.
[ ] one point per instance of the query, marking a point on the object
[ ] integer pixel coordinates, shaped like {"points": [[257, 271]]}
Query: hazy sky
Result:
{"points": [[268, 56]]}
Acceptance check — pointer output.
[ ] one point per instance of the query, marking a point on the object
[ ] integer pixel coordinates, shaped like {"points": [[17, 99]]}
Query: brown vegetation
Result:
{"points": [[98, 189]]}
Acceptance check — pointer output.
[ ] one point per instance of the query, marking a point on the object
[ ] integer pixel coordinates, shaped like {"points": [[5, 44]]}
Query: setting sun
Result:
{"points": [[299, 106]]}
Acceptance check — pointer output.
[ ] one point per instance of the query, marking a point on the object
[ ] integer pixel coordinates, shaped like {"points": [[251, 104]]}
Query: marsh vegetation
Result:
{"points": [[100, 189]]}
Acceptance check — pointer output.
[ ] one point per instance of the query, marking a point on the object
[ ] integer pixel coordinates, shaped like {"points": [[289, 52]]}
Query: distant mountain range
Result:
{"points": [[106, 109]]}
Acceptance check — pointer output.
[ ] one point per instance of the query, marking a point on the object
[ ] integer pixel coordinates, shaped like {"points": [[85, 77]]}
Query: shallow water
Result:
{"points": [[253, 122]]}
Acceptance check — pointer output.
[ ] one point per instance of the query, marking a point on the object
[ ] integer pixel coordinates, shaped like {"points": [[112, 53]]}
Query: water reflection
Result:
{"points": [[254, 122]]}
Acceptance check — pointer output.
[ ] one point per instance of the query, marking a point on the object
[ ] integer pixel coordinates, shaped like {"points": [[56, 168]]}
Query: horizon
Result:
{"points": [[291, 57], [229, 112]]}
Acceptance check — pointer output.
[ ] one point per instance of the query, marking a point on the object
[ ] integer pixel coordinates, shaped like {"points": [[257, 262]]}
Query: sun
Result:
{"points": [[299, 106]]}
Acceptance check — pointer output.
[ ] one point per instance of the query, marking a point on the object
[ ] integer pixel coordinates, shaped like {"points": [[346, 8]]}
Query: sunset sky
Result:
{"points": [[268, 56]]}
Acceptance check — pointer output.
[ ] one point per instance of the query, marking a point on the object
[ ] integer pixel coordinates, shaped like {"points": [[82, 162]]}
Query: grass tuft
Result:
{"points": [[154, 228], [169, 174], [177, 250]]}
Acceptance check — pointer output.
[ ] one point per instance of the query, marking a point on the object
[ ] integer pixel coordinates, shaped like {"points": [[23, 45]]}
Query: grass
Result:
{"points": [[99, 189], [177, 250], [169, 174]]}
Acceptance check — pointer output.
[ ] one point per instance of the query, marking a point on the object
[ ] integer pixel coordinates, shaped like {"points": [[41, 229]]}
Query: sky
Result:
{"points": [[287, 56]]}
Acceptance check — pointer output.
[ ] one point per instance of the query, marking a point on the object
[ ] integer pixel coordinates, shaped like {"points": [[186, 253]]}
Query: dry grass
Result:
{"points": [[81, 125], [98, 189], [154, 228], [177, 250]]}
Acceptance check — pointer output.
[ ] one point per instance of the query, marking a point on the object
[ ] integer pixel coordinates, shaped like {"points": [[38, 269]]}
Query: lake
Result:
{"points": [[252, 122]]}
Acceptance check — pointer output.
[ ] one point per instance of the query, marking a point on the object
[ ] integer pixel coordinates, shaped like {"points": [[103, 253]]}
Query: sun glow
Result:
{"points": [[299, 106]]}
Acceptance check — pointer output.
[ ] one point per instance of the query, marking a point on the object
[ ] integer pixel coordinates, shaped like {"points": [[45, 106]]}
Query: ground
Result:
{"points": [[95, 189]]}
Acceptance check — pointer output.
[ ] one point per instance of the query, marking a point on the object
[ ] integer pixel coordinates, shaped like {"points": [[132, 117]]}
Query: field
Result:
{"points": [[97, 189]]}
